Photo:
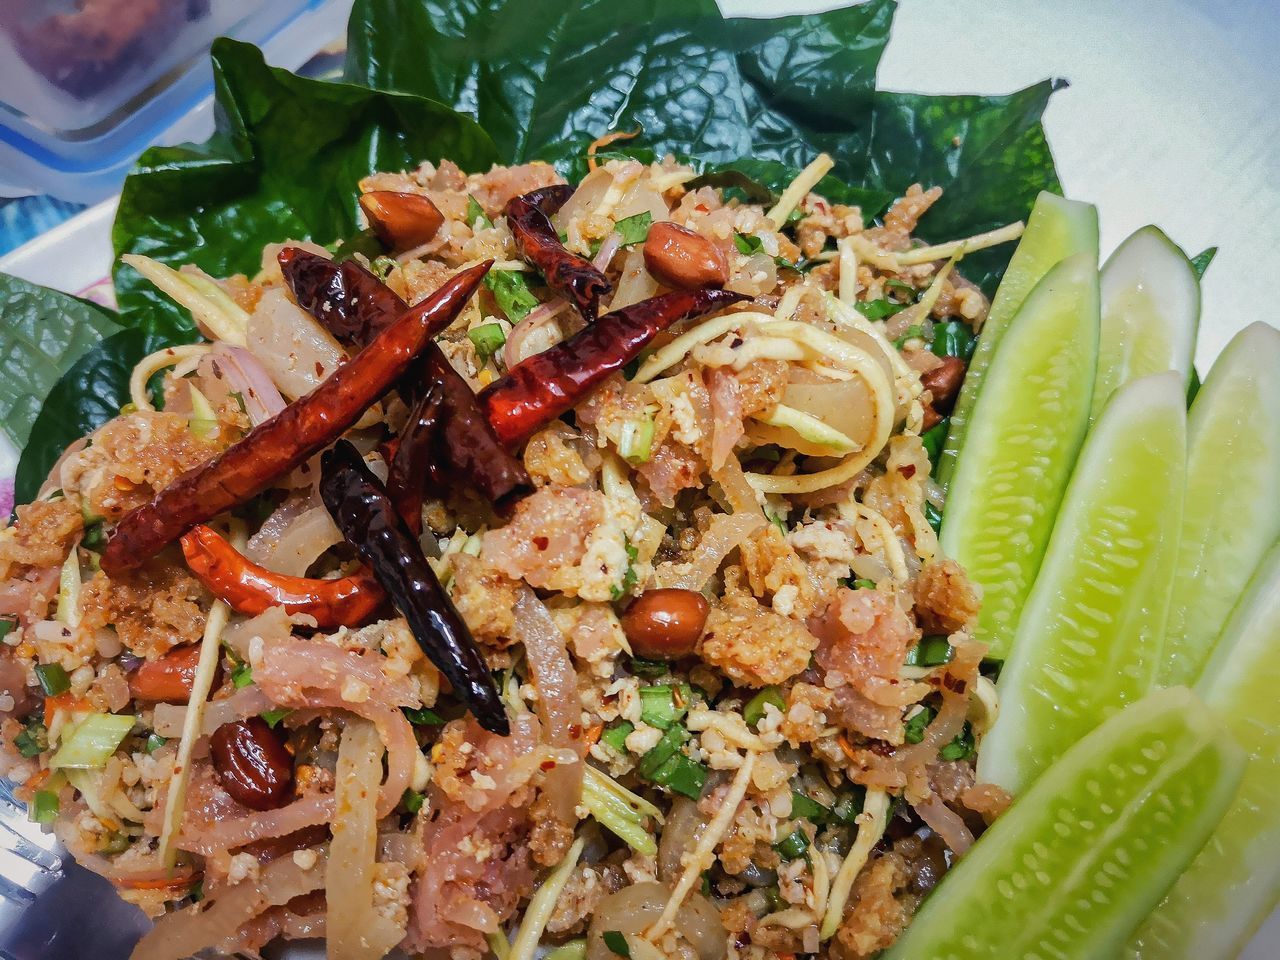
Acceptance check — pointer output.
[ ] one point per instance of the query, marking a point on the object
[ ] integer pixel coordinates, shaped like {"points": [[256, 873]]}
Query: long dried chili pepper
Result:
{"points": [[251, 589], [414, 458], [551, 198], [566, 273], [288, 439], [542, 387], [355, 305], [367, 518], [347, 299]]}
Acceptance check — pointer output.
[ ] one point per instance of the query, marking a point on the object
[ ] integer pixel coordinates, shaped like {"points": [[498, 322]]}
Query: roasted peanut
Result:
{"points": [[665, 624], [402, 221], [678, 257], [167, 680], [943, 382], [252, 763]]}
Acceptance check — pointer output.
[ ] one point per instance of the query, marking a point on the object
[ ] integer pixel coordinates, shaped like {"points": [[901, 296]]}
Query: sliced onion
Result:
{"points": [[184, 934], [607, 249], [246, 376], [636, 283], [246, 702], [684, 824], [558, 704], [294, 536], [534, 333]]}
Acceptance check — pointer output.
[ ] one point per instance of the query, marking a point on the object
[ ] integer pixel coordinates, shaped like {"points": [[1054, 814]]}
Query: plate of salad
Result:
{"points": [[721, 509]]}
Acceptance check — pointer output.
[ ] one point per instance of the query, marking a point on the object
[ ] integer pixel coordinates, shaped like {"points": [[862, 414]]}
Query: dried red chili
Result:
{"points": [[287, 440], [542, 387], [346, 298], [363, 511], [551, 198], [251, 589], [414, 460], [567, 273]]}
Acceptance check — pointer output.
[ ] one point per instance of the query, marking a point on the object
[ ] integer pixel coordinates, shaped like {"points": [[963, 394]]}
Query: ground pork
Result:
{"points": [[550, 837], [551, 458], [486, 598], [876, 916], [152, 610], [42, 537], [587, 886], [946, 600], [901, 219], [776, 573], [752, 644], [761, 386]]}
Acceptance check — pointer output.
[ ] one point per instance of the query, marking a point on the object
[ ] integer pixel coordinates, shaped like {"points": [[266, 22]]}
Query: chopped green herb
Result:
{"points": [[649, 669], [615, 735], [916, 724], [95, 538], [273, 717], [242, 675], [893, 283], [1200, 262], [616, 942], [365, 241], [848, 805], [777, 521], [747, 244], [629, 580], [934, 438], [806, 808], [665, 704], [475, 213], [154, 743], [682, 775], [753, 712], [53, 679], [634, 229], [6, 626], [44, 807], [933, 515], [636, 443], [795, 216], [864, 584], [662, 751], [879, 309], [488, 339], [382, 266], [422, 717], [954, 338], [33, 740], [793, 845], [512, 292], [990, 668], [412, 801], [961, 748], [912, 332], [239, 399], [114, 843], [931, 651], [1193, 385]]}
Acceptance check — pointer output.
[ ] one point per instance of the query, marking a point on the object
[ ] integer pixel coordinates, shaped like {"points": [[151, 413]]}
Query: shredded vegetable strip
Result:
{"points": [[607, 139], [150, 365], [799, 188], [700, 858], [810, 427], [540, 908], [871, 825], [703, 333], [212, 308], [942, 251], [848, 271]]}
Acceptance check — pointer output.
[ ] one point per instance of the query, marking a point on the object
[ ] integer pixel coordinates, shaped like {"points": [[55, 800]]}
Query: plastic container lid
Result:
{"points": [[87, 85]]}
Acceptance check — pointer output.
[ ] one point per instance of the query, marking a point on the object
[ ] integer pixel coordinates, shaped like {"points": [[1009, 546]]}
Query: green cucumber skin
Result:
{"points": [[999, 513], [1077, 862], [1057, 229], [1220, 901], [1233, 483]]}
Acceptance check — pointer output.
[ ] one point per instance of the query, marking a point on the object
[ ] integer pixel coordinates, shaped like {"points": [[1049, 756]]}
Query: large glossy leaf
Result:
{"points": [[764, 96], [87, 396], [42, 334], [283, 165]]}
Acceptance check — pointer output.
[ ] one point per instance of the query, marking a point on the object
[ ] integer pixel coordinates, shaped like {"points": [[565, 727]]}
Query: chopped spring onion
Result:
{"points": [[806, 808], [933, 515], [662, 751], [273, 717], [209, 304], [573, 950], [204, 420], [95, 537], [542, 905], [879, 309], [848, 805], [931, 651], [69, 591], [511, 291], [649, 669], [663, 705], [412, 800], [683, 776], [53, 679], [6, 625], [33, 740], [242, 676], [422, 717], [488, 339], [754, 711], [476, 214], [44, 807], [629, 577], [917, 723], [154, 743], [962, 747], [863, 584], [619, 810], [793, 845], [635, 445], [92, 741], [615, 735], [634, 229]]}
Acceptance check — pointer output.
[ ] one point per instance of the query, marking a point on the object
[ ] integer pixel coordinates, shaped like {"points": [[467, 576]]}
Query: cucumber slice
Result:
{"points": [[1076, 863], [1056, 229], [1231, 517], [1090, 637], [1028, 424], [1234, 883], [1150, 313]]}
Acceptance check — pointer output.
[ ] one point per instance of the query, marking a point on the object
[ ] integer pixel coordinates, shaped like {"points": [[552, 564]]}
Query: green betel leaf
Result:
{"points": [[284, 164], [43, 333], [89, 394]]}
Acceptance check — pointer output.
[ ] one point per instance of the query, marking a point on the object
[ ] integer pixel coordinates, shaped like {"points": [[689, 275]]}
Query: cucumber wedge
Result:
{"points": [[1028, 424], [1234, 883], [1232, 516], [1150, 313], [1057, 229], [1089, 640], [1075, 864]]}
